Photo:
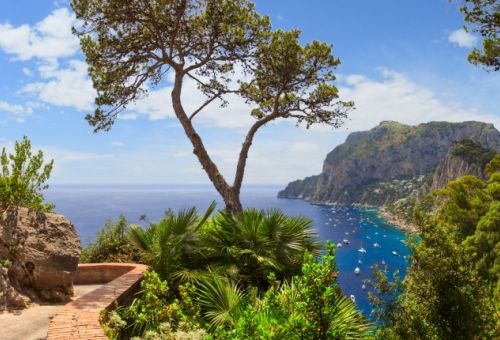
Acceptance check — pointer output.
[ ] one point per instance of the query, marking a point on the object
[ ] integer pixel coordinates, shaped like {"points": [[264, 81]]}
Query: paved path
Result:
{"points": [[32, 323]]}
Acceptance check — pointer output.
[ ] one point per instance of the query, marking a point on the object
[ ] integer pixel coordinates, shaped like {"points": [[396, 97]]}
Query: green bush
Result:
{"points": [[111, 244], [309, 306], [157, 313], [22, 178], [452, 289], [185, 246], [473, 152]]}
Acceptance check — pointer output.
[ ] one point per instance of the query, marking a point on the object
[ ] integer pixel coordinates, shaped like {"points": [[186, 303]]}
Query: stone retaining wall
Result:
{"points": [[79, 319]]}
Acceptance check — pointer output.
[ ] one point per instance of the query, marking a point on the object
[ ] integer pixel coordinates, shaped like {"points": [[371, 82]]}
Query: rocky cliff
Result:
{"points": [[388, 162], [465, 157]]}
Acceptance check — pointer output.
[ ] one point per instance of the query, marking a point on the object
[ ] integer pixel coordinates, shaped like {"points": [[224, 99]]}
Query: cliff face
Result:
{"points": [[390, 156], [464, 158]]}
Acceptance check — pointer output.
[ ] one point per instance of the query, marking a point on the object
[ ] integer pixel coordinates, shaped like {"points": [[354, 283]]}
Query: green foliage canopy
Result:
{"points": [[225, 47], [452, 289], [483, 17], [309, 306], [23, 177], [111, 244]]}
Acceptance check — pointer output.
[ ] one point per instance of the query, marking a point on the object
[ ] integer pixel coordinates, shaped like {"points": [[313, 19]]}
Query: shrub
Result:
{"points": [[111, 244], [309, 306], [157, 313], [452, 289], [22, 178]]}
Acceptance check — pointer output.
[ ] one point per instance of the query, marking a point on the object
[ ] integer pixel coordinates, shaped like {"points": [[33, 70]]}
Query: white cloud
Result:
{"points": [[50, 38], [17, 111], [69, 156], [117, 144], [69, 87], [462, 38], [396, 97], [27, 72]]}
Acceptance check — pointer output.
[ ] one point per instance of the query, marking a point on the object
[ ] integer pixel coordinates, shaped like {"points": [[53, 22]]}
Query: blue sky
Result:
{"points": [[401, 60]]}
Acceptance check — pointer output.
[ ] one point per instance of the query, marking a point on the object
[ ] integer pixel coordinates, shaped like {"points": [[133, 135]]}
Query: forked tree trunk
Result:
{"points": [[230, 194]]}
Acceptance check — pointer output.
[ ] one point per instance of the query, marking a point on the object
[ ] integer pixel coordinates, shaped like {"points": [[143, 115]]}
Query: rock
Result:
{"points": [[464, 158], [9, 297], [44, 250], [375, 167]]}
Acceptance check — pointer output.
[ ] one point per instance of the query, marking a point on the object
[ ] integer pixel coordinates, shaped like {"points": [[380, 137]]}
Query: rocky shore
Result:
{"points": [[397, 221]]}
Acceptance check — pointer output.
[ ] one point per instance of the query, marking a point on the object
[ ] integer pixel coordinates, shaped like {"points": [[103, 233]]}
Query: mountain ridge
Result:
{"points": [[389, 152]]}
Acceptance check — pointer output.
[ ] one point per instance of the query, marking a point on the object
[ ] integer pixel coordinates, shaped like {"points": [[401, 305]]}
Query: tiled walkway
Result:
{"points": [[33, 322]]}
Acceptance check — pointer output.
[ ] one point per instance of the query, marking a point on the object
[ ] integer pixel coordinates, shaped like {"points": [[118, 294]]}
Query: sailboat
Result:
{"points": [[357, 270], [361, 249]]}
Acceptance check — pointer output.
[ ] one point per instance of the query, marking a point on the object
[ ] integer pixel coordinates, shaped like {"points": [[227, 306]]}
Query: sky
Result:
{"points": [[401, 60]]}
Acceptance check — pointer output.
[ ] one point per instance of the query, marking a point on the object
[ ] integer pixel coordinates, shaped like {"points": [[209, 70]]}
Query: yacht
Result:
{"points": [[357, 271]]}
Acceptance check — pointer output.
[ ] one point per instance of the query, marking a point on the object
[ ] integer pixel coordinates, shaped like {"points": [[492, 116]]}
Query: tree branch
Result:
{"points": [[242, 159], [205, 104]]}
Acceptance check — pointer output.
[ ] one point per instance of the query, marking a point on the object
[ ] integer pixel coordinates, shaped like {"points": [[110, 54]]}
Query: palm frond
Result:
{"points": [[221, 301]]}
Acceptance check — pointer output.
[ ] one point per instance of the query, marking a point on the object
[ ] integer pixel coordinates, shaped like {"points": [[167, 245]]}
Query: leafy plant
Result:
{"points": [[452, 288], [309, 306], [157, 311], [250, 247], [171, 245], [23, 178], [111, 244], [183, 246], [5, 263]]}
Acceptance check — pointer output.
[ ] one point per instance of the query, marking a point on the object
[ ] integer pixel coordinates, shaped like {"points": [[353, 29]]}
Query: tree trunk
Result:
{"points": [[230, 194]]}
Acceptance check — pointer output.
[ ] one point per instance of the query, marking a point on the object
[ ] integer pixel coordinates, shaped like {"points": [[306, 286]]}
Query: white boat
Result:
{"points": [[357, 270], [363, 287], [362, 250], [376, 245], [383, 262], [359, 261], [346, 241], [339, 245], [353, 298], [394, 253]]}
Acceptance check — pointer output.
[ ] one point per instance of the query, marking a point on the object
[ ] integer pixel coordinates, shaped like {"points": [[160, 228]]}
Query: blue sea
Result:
{"points": [[88, 207]]}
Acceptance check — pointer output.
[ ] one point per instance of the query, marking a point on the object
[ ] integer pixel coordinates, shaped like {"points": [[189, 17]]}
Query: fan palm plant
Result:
{"points": [[172, 245], [221, 300], [249, 247], [308, 306]]}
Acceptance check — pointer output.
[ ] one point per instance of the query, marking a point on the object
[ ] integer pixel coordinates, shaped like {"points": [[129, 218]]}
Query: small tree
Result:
{"points": [[23, 178], [131, 45], [483, 17]]}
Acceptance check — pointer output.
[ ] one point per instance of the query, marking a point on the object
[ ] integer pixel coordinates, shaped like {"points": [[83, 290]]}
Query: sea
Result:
{"points": [[364, 239]]}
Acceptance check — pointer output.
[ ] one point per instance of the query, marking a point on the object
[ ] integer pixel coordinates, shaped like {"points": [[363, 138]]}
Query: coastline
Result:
{"points": [[397, 221], [385, 214]]}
